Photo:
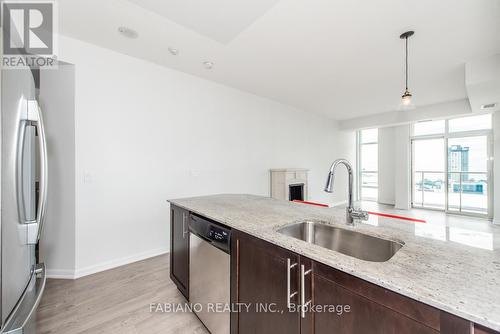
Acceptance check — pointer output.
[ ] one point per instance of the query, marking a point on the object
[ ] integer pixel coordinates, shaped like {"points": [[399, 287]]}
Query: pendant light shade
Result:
{"points": [[406, 98]]}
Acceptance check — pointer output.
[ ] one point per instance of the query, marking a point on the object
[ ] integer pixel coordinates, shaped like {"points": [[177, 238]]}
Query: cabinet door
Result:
{"points": [[261, 277], [483, 330], [179, 249], [364, 316], [372, 309]]}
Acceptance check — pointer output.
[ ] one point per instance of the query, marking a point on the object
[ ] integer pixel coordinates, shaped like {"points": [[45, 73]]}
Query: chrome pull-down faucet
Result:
{"points": [[351, 212]]}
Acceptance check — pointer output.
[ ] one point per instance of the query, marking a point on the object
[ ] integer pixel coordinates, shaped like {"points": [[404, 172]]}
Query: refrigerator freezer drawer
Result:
{"points": [[22, 319]]}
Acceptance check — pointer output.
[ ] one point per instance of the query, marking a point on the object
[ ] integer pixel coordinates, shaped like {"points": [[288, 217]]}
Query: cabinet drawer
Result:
{"points": [[364, 316]]}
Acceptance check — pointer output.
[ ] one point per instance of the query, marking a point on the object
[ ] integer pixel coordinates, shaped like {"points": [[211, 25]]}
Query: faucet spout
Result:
{"points": [[331, 178], [351, 212]]}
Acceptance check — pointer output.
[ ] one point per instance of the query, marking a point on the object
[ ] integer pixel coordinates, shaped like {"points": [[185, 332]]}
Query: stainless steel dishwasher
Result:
{"points": [[209, 272]]}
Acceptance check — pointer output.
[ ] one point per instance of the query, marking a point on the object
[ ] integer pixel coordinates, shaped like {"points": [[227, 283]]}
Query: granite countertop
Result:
{"points": [[451, 265]]}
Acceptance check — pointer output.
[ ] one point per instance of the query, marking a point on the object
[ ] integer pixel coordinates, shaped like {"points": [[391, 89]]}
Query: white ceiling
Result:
{"points": [[342, 58], [221, 20]]}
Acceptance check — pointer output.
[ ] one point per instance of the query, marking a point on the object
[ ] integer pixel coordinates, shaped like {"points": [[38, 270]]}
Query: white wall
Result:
{"points": [[57, 100], [386, 165], [402, 167], [394, 165], [145, 133]]}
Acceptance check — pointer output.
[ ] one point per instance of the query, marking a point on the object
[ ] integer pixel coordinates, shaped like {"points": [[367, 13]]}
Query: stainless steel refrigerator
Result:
{"points": [[23, 200]]}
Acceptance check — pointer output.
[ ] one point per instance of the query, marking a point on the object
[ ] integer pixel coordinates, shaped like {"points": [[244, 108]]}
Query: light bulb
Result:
{"points": [[406, 101]]}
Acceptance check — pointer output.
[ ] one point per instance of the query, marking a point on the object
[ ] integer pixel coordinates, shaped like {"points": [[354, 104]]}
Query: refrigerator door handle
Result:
{"points": [[21, 317], [21, 206], [34, 227]]}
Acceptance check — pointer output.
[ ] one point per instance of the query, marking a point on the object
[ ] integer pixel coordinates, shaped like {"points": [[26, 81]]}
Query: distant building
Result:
{"points": [[458, 161]]}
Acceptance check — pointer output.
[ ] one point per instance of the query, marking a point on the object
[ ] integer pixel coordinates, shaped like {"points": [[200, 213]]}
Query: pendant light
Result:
{"points": [[406, 98]]}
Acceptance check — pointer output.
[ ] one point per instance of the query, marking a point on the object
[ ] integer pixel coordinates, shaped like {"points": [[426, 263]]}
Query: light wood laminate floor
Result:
{"points": [[116, 301]]}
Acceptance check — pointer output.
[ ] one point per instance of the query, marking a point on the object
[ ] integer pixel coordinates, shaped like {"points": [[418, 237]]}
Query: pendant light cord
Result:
{"points": [[406, 40]]}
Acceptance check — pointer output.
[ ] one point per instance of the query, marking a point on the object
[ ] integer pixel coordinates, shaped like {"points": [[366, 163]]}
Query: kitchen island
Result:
{"points": [[442, 273]]}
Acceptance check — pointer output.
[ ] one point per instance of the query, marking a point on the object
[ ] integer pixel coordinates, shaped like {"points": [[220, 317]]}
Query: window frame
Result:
{"points": [[359, 185]]}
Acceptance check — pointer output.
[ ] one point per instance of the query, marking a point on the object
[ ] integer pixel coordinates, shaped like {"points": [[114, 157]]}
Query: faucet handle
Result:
{"points": [[359, 214]]}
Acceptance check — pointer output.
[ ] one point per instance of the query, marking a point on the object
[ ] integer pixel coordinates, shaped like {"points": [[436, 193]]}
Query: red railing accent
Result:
{"points": [[310, 203], [386, 215], [397, 217]]}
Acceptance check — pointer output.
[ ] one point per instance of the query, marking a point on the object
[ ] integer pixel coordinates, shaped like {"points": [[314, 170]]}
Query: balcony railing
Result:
{"points": [[369, 185], [467, 191]]}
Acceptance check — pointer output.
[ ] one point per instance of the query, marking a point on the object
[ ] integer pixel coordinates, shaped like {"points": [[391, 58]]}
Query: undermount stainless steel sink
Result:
{"points": [[348, 242]]}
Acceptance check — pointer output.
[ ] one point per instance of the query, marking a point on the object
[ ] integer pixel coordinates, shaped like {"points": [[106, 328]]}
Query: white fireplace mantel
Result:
{"points": [[284, 178]]}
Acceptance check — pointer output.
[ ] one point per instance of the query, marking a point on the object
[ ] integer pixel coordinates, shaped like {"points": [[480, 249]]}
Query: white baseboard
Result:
{"points": [[74, 274], [391, 203], [496, 221], [60, 273], [119, 262], [341, 203]]}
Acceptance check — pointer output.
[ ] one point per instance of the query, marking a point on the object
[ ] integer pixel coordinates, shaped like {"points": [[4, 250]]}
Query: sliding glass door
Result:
{"points": [[468, 174], [451, 165], [429, 175]]}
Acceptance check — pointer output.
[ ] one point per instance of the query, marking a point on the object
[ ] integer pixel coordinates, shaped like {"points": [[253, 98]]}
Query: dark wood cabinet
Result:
{"points": [[260, 279], [363, 316], [338, 302], [179, 248], [373, 309], [483, 330], [353, 313]]}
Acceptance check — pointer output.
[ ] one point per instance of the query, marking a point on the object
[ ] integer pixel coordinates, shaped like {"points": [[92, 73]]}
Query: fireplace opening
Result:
{"points": [[296, 192]]}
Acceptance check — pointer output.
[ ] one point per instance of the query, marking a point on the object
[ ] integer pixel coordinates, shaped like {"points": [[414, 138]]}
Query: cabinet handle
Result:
{"points": [[185, 230], [303, 304], [289, 295]]}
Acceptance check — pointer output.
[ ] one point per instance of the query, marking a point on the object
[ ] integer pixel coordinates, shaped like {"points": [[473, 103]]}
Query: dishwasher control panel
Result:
{"points": [[211, 231], [218, 234]]}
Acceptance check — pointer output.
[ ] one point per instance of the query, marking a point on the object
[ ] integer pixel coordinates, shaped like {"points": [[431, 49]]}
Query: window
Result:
{"points": [[369, 136], [468, 174], [482, 122], [429, 173], [368, 164], [451, 165], [428, 128]]}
